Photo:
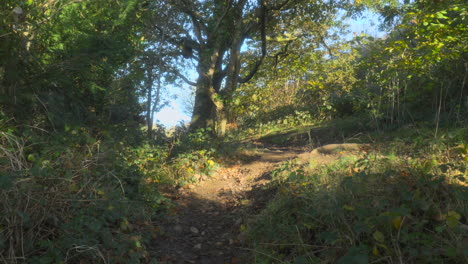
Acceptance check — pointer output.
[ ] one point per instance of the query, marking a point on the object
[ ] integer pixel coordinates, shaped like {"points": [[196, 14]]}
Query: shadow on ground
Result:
{"points": [[200, 231], [206, 225]]}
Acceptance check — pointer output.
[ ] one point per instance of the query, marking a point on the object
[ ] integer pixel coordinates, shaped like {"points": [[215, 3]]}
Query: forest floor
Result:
{"points": [[206, 224]]}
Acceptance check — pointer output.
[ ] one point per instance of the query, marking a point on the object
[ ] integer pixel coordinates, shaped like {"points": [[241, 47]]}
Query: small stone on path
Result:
{"points": [[197, 246], [194, 230]]}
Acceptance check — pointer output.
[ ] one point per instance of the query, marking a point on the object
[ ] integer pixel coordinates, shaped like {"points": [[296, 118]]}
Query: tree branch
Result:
{"points": [[170, 39], [197, 21], [185, 79], [322, 40], [185, 44], [257, 65], [197, 26], [218, 23], [283, 52]]}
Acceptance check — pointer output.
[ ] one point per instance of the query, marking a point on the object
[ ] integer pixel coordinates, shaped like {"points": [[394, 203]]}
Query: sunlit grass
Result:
{"points": [[393, 204]]}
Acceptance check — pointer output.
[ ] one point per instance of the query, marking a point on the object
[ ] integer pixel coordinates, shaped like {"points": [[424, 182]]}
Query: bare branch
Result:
{"points": [[263, 17], [185, 79], [283, 52]]}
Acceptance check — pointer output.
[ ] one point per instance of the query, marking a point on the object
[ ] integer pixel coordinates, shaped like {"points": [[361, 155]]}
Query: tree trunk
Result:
{"points": [[207, 99], [209, 110], [149, 87], [157, 99], [203, 108]]}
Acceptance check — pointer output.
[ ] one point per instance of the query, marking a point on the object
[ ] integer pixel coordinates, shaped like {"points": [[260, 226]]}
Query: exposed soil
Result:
{"points": [[205, 225]]}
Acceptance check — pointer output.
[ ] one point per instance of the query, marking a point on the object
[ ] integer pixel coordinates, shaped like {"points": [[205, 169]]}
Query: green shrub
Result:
{"points": [[68, 197], [392, 208]]}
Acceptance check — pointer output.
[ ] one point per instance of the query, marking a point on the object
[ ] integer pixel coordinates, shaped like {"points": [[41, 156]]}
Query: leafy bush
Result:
{"points": [[187, 159]]}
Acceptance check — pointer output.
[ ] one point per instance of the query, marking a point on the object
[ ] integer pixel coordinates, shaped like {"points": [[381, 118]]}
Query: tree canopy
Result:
{"points": [[228, 42]]}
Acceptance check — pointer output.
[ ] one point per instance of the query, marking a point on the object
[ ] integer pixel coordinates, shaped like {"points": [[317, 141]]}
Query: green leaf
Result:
{"points": [[441, 15], [379, 236], [440, 229], [301, 260], [355, 255], [6, 181]]}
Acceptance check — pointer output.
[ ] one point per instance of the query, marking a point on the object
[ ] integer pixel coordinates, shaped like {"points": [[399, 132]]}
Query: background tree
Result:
{"points": [[211, 34], [59, 60]]}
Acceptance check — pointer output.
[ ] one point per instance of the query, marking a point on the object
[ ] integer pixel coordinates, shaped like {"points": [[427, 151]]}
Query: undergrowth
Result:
{"points": [[69, 197], [404, 201], [77, 197]]}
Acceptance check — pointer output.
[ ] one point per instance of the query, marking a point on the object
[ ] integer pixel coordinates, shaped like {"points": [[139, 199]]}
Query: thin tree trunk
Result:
{"points": [[460, 102], [149, 87], [437, 119], [157, 100]]}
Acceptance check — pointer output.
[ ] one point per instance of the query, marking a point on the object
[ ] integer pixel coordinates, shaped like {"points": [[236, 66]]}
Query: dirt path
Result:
{"points": [[205, 226]]}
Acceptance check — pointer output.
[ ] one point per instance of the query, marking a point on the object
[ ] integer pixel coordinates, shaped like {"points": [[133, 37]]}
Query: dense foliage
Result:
{"points": [[417, 72]]}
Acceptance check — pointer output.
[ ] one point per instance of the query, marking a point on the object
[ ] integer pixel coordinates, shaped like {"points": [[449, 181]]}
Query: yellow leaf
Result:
{"points": [[349, 208], [375, 251], [243, 228], [397, 222], [453, 218], [383, 246], [454, 215]]}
